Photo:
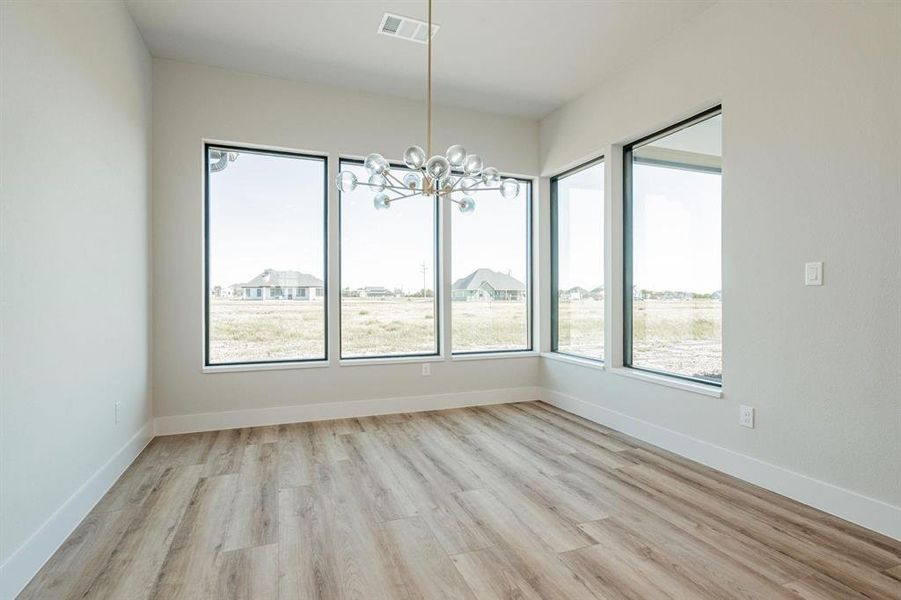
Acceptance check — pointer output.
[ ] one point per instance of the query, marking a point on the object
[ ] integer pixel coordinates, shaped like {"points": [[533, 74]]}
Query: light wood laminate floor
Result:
{"points": [[512, 501]]}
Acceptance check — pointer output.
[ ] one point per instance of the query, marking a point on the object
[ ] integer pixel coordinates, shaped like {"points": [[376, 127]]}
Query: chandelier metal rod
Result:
{"points": [[429, 88], [402, 196], [391, 175]]}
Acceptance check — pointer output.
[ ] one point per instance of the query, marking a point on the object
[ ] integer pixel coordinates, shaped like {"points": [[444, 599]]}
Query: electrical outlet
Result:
{"points": [[426, 370], [746, 416], [118, 408]]}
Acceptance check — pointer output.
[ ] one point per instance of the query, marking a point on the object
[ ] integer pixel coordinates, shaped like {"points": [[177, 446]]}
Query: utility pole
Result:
{"points": [[423, 270]]}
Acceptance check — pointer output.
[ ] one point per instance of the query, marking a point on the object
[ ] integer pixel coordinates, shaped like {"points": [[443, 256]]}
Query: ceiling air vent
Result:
{"points": [[405, 28]]}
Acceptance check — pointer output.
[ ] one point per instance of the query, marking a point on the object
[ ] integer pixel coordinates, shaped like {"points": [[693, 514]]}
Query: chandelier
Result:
{"points": [[457, 173]]}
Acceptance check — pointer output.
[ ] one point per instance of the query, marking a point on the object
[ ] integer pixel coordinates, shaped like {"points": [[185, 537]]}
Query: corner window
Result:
{"points": [[265, 221], [577, 262], [491, 263], [672, 250], [389, 273]]}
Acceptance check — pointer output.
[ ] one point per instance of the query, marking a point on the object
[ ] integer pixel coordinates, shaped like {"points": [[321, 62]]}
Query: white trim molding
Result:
{"points": [[867, 512], [338, 410], [28, 559]]}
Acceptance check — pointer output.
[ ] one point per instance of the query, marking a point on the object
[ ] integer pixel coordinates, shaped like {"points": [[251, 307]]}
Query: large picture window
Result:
{"points": [[491, 264], [577, 262], [673, 239], [265, 256], [388, 273]]}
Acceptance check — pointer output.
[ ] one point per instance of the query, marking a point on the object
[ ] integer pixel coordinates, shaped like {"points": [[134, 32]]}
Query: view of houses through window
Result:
{"points": [[578, 262], [490, 296], [265, 256], [388, 273], [673, 218]]}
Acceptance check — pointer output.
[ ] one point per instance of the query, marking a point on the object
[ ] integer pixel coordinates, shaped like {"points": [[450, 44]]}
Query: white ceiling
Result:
{"points": [[524, 57]]}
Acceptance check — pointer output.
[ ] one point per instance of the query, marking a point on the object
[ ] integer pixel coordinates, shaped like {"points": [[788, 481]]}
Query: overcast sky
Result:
{"points": [[267, 211]]}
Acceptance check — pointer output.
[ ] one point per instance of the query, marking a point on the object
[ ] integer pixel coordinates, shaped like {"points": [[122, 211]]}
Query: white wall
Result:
{"points": [[811, 96], [74, 269], [192, 103]]}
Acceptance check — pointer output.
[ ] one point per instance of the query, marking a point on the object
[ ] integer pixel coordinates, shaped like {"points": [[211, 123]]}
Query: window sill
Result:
{"points": [[575, 360], [389, 360], [313, 364], [494, 355], [688, 386]]}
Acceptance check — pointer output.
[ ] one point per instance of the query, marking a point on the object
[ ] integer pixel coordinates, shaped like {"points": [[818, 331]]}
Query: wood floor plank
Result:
{"points": [[843, 567], [429, 483], [296, 463], [714, 573], [508, 501], [623, 497], [194, 557], [136, 560], [535, 562], [822, 587], [427, 570], [306, 541], [387, 499], [490, 576], [254, 516], [248, 574], [813, 529], [226, 452], [75, 565]]}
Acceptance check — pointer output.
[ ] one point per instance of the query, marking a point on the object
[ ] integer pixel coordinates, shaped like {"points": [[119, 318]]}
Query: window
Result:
{"points": [[673, 238], [389, 264], [577, 262], [265, 231], [491, 264]]}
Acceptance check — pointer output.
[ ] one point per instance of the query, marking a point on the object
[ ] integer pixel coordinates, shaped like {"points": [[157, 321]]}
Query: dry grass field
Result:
{"points": [[671, 335]]}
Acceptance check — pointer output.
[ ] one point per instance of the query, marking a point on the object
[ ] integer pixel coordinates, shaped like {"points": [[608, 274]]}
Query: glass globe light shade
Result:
{"points": [[467, 205], [381, 201], [414, 157], [346, 181], [469, 183], [372, 160], [510, 189], [473, 164], [437, 167], [411, 180], [456, 154], [378, 182], [490, 176]]}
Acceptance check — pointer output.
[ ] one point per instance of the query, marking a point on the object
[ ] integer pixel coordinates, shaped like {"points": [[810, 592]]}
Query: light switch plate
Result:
{"points": [[813, 273]]}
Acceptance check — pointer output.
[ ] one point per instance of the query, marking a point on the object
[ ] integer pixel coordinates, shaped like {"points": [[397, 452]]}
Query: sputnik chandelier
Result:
{"points": [[438, 175]]}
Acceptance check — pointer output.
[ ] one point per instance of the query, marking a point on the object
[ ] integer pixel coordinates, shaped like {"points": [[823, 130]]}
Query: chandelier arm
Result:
{"points": [[402, 196], [387, 187], [395, 179]]}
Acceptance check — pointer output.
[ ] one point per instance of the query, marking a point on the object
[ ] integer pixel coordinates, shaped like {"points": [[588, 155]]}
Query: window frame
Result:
{"points": [[530, 305], [323, 158], [437, 278], [555, 260], [628, 229]]}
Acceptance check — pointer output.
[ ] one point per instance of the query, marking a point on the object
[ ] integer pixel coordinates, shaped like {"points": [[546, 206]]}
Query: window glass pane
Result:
{"points": [[676, 257], [388, 260], [265, 257], [490, 289], [579, 268]]}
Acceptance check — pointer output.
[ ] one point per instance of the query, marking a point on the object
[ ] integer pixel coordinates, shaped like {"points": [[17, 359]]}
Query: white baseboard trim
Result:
{"points": [[338, 410], [27, 560], [873, 514]]}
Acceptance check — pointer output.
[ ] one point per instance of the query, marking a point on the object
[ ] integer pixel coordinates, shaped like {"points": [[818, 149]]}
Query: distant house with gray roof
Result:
{"points": [[485, 284], [282, 285]]}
